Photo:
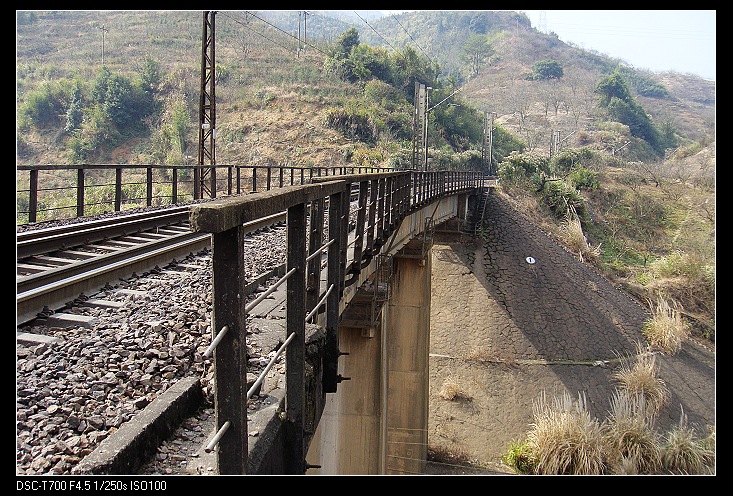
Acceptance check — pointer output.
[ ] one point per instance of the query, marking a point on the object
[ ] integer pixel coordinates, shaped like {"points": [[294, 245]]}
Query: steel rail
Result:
{"points": [[53, 287]]}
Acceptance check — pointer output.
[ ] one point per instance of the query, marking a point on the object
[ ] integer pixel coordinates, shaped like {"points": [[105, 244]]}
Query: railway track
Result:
{"points": [[56, 265]]}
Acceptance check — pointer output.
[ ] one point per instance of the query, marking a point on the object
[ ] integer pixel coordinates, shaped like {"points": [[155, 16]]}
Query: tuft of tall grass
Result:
{"points": [[572, 235], [632, 445], [684, 453], [665, 330], [451, 390], [564, 438], [640, 379]]}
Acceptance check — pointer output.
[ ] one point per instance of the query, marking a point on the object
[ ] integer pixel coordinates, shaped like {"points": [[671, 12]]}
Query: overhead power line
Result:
{"points": [[255, 31], [385, 40], [413, 39], [283, 31]]}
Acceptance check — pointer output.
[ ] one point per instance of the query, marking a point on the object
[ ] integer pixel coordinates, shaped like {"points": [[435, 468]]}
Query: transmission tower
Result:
{"points": [[542, 24], [207, 111]]}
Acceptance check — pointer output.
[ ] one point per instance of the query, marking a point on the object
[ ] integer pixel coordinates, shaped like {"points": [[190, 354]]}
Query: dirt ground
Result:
{"points": [[521, 330]]}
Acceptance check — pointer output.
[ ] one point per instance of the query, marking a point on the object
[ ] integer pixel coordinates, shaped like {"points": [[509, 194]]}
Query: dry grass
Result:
{"points": [[452, 391], [571, 233], [453, 455], [666, 330], [640, 379], [564, 438], [684, 453], [632, 445]]}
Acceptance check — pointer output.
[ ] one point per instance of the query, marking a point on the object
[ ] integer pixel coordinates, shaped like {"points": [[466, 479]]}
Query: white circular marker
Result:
{"points": [[530, 260]]}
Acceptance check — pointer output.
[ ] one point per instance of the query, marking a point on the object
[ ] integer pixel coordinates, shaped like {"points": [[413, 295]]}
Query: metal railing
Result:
{"points": [[384, 200], [53, 192]]}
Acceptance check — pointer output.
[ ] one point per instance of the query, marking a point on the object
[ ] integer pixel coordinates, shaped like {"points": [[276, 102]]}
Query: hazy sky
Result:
{"points": [[658, 40]]}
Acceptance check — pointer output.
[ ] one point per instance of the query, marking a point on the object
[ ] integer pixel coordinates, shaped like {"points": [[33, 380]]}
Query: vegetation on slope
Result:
{"points": [[632, 167]]}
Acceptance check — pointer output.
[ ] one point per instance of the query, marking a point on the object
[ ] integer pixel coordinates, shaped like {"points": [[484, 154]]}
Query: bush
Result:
{"points": [[581, 178], [569, 158], [683, 453], [565, 439], [561, 198], [640, 379], [520, 457], [665, 330], [44, 106], [631, 442], [354, 122]]}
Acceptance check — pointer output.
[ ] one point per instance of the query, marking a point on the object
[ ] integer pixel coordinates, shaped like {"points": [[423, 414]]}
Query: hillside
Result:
{"points": [[277, 105], [648, 219]]}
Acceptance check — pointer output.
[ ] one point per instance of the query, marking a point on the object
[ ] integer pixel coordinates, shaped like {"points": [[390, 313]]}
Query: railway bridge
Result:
{"points": [[357, 308]]}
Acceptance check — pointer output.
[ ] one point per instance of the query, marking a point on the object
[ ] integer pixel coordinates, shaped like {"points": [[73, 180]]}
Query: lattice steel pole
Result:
{"points": [[207, 109]]}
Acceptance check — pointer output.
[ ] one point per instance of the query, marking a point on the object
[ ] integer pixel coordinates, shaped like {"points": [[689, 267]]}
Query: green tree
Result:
{"points": [[150, 75], [617, 100], [74, 114], [346, 42], [475, 50], [613, 86], [547, 69]]}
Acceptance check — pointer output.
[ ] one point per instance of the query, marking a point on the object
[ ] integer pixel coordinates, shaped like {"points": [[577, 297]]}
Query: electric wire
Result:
{"points": [[378, 34], [413, 39]]}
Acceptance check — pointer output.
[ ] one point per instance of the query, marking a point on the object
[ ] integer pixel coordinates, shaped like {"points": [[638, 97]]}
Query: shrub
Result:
{"points": [[570, 158], [582, 178], [561, 198], [353, 122], [640, 379], [665, 330], [564, 437], [520, 457], [451, 391], [572, 235], [631, 442], [684, 453]]}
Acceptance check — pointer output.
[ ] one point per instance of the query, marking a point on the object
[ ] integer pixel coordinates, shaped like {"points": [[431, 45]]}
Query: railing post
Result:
{"points": [[372, 219], [335, 276], [388, 206], [313, 282], [174, 186], [149, 181], [118, 189], [33, 196], [254, 179], [359, 234], [80, 192], [196, 183], [381, 207], [295, 353], [344, 241], [230, 355]]}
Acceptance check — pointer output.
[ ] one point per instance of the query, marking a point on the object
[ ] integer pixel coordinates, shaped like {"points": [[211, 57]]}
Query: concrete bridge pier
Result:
{"points": [[377, 421]]}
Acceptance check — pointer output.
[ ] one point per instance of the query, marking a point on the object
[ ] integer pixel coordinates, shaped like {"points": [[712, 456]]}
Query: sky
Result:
{"points": [[657, 40]]}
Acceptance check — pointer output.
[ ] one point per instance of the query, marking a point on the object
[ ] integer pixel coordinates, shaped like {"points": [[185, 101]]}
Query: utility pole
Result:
{"points": [[554, 143], [207, 109], [104, 30], [488, 144], [304, 15], [427, 118], [419, 125]]}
